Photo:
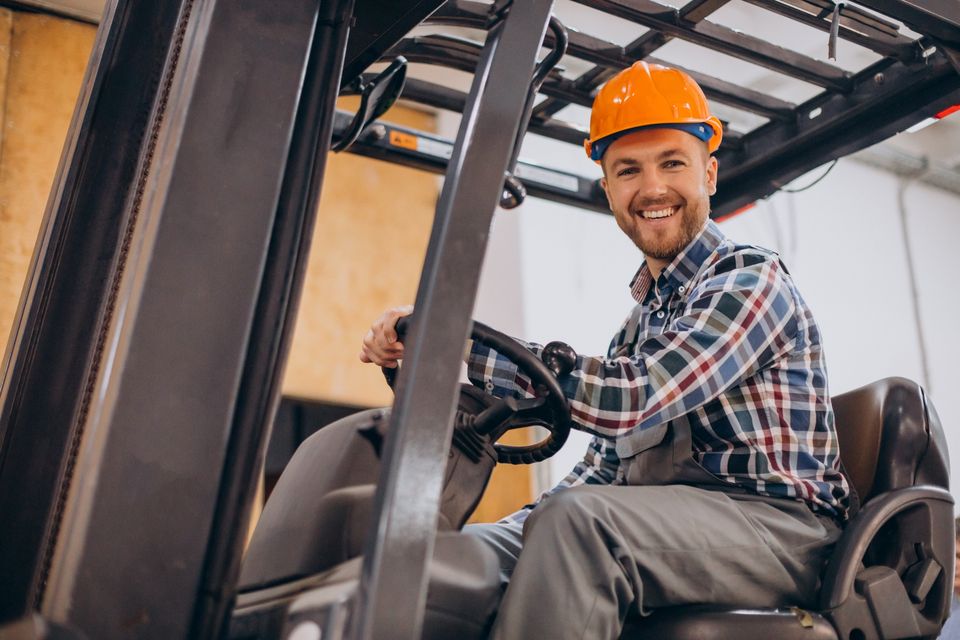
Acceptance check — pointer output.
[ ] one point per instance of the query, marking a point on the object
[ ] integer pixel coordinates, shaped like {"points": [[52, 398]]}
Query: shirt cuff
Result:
{"points": [[491, 371]]}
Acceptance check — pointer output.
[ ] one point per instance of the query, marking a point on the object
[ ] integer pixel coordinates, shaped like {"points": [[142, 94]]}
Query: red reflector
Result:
{"points": [[947, 111], [742, 209]]}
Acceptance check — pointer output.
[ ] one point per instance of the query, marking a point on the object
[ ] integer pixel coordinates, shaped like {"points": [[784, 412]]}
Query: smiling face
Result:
{"points": [[658, 184]]}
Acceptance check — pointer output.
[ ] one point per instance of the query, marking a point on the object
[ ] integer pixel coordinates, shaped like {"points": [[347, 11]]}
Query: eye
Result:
{"points": [[674, 164], [626, 171]]}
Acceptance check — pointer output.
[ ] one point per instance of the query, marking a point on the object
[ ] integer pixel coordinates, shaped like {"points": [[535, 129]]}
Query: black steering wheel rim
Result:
{"points": [[544, 381]]}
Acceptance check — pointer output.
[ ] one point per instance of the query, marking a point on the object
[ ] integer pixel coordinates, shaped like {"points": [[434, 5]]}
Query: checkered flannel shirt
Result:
{"points": [[723, 338]]}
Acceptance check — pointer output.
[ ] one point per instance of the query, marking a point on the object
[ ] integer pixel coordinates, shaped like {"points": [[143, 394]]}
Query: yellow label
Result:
{"points": [[404, 140]]}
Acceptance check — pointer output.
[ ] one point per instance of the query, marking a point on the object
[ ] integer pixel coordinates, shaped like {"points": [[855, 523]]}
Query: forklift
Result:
{"points": [[143, 374]]}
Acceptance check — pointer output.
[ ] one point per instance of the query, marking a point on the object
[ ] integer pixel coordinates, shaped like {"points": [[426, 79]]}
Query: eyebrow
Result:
{"points": [[664, 155]]}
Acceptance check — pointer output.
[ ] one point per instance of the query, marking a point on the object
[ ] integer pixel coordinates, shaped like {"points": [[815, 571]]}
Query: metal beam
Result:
{"points": [[726, 40], [274, 317], [888, 98], [411, 148], [610, 58], [191, 336], [697, 10], [462, 54], [378, 25], [59, 333], [856, 25], [393, 584], [937, 18]]}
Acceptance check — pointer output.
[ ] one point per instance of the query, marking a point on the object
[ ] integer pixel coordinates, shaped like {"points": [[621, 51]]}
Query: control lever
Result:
{"points": [[559, 358], [390, 374]]}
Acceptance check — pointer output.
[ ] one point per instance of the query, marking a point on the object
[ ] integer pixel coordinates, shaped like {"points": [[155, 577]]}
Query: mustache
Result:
{"points": [[660, 203]]}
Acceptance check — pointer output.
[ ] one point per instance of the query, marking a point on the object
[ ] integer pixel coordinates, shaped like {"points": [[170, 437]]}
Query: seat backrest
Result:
{"points": [[890, 437]]}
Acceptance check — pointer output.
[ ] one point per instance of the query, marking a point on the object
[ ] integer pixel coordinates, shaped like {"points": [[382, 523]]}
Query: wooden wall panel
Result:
{"points": [[47, 58], [6, 35], [371, 235]]}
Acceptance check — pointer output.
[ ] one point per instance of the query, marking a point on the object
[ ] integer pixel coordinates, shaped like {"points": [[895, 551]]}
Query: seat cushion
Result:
{"points": [[462, 594], [724, 623]]}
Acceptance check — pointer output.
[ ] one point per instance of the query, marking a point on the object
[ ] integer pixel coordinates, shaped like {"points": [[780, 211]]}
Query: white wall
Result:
{"points": [[553, 272]]}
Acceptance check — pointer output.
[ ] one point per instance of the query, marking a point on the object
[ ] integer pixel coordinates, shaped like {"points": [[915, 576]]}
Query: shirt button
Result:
{"points": [[660, 313], [681, 288]]}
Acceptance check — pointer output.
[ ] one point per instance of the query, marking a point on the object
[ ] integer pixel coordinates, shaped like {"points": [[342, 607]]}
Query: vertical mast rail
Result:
{"points": [[394, 579]]}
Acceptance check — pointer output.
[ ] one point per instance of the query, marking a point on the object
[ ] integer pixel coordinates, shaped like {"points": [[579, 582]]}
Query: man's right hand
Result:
{"points": [[380, 345]]}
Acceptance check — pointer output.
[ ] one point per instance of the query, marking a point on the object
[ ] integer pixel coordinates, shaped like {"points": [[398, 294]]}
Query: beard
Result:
{"points": [[667, 246]]}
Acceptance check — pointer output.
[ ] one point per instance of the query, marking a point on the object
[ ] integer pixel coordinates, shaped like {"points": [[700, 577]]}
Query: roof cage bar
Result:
{"points": [[461, 54], [434, 95], [441, 97], [855, 25], [590, 80], [939, 19], [734, 95], [832, 126], [693, 11], [611, 57], [726, 40], [604, 53], [475, 14], [698, 10], [428, 152], [463, 13], [447, 51]]}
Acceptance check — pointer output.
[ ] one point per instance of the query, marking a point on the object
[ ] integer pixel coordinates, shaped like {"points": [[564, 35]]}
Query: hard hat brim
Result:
{"points": [[709, 131]]}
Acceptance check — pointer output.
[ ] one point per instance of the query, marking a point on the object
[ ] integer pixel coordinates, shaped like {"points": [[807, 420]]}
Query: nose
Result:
{"points": [[651, 186]]}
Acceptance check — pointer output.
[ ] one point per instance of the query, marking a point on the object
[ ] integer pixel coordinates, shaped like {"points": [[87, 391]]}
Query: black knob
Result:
{"points": [[559, 358], [403, 323]]}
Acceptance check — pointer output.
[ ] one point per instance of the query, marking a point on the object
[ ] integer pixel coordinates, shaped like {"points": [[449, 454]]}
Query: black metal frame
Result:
{"points": [[142, 377], [910, 83]]}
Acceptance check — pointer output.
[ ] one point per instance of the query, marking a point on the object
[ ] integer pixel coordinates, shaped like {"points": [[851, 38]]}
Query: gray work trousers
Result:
{"points": [[591, 555], [594, 554]]}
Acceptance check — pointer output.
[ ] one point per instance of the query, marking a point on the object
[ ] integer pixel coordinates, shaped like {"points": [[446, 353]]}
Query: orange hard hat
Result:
{"points": [[650, 95]]}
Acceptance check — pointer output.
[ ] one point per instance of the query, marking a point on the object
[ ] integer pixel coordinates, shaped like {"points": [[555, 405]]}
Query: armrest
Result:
{"points": [[847, 557]]}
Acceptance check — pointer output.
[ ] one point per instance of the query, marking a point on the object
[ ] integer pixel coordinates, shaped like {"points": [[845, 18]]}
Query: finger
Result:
{"points": [[377, 354], [391, 318]]}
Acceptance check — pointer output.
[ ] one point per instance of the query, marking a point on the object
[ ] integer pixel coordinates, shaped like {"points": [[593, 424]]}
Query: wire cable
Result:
{"points": [[912, 277], [825, 173]]}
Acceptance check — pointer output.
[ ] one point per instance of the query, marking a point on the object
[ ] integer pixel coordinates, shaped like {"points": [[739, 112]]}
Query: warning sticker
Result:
{"points": [[403, 140], [427, 146]]}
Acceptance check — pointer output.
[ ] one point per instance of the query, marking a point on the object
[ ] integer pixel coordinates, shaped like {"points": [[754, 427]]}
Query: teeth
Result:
{"points": [[660, 213]]}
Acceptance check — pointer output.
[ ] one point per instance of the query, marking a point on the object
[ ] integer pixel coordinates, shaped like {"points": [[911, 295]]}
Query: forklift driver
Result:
{"points": [[713, 473]]}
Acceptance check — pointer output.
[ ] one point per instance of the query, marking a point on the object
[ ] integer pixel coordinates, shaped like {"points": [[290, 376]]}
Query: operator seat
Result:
{"points": [[308, 542], [891, 573]]}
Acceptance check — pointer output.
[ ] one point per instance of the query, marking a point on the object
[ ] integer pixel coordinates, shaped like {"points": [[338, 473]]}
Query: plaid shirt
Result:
{"points": [[723, 338]]}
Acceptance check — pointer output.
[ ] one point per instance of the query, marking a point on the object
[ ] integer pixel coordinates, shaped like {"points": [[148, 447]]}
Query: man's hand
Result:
{"points": [[380, 345]]}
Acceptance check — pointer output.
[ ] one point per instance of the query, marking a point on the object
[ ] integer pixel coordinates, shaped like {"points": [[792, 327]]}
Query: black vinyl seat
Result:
{"points": [[891, 573], [305, 551]]}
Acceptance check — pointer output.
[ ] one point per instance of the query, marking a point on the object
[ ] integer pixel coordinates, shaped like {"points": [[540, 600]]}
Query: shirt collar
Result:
{"points": [[682, 268]]}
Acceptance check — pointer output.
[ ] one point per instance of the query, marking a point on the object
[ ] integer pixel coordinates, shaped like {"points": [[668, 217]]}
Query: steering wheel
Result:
{"points": [[482, 417]]}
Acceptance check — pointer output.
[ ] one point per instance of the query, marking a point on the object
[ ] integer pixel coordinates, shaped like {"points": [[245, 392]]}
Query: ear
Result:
{"points": [[712, 175], [606, 191]]}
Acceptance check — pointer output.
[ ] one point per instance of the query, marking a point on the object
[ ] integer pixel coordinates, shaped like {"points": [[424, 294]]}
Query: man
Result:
{"points": [[713, 475]]}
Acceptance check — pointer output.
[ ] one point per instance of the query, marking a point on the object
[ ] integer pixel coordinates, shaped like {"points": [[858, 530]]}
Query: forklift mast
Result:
{"points": [[143, 373]]}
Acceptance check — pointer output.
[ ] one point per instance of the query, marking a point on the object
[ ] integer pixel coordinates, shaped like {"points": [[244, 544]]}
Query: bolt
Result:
{"points": [[375, 133]]}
